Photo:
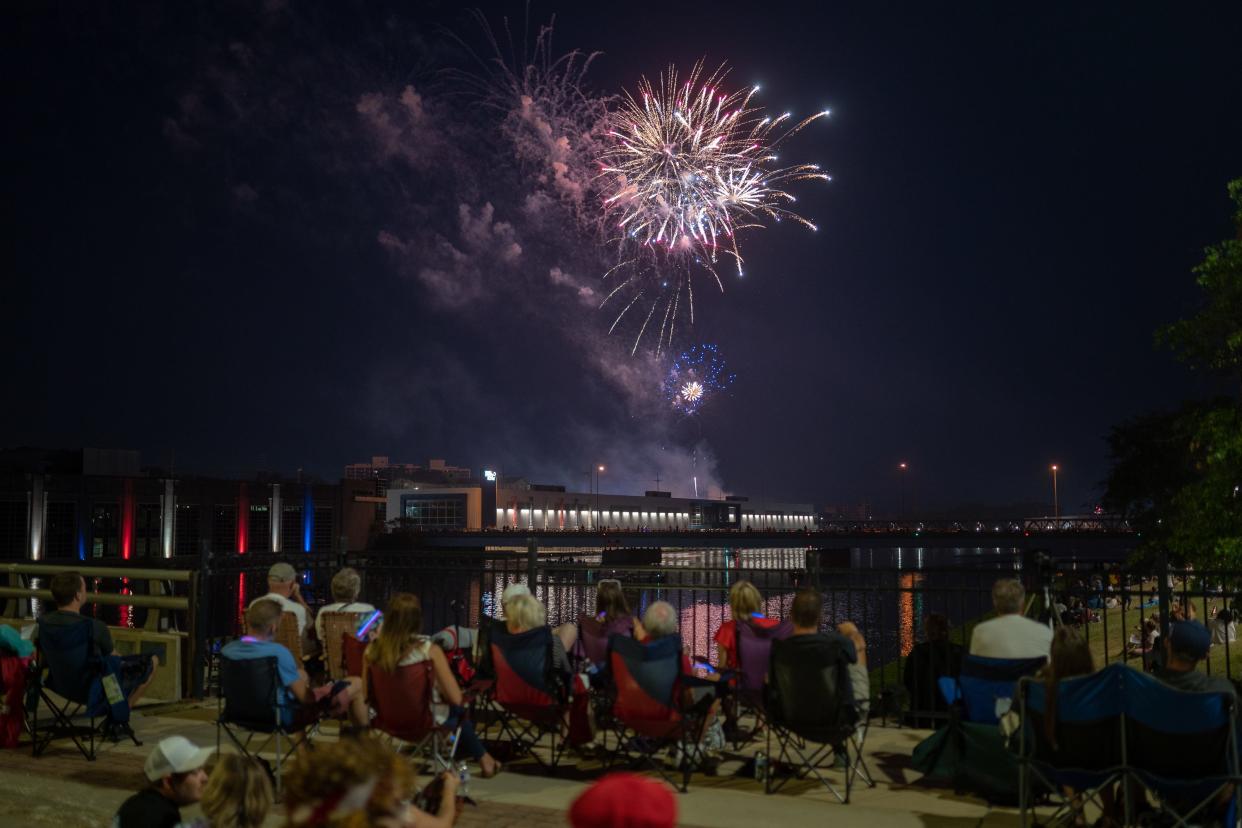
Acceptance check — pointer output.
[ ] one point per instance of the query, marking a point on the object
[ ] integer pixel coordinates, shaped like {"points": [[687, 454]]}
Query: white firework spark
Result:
{"points": [[687, 167]]}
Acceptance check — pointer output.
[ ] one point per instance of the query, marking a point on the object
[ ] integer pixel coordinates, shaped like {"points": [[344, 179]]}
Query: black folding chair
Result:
{"points": [[85, 697], [251, 708], [811, 716]]}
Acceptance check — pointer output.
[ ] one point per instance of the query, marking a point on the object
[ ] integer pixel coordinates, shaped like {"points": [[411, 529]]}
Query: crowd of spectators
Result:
{"points": [[362, 780]]}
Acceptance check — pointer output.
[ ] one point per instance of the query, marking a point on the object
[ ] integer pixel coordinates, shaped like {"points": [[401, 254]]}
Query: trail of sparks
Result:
{"points": [[687, 167]]}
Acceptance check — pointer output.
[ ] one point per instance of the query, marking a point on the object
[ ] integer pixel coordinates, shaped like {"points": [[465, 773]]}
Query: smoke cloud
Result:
{"points": [[476, 190]]}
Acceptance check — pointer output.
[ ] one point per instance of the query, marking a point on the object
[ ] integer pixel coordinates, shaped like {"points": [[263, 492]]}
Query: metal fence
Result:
{"points": [[1105, 602]]}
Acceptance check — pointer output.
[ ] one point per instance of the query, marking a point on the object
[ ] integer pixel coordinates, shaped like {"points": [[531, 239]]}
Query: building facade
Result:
{"points": [[64, 510], [520, 505]]}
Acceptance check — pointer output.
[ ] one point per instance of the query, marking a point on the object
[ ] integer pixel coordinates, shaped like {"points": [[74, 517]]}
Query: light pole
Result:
{"points": [[599, 467], [902, 468], [1056, 503]]}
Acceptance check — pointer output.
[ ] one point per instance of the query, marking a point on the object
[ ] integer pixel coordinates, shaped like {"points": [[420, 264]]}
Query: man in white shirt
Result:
{"points": [[1010, 634], [282, 587]]}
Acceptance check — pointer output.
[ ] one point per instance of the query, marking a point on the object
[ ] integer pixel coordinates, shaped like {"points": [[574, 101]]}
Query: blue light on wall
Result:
{"points": [[308, 520]]}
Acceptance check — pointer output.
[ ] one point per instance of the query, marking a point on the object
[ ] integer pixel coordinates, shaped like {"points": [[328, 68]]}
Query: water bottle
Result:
{"points": [[761, 766], [463, 778]]}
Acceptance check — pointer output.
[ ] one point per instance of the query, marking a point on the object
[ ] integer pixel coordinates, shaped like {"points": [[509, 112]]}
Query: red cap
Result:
{"points": [[624, 800]]}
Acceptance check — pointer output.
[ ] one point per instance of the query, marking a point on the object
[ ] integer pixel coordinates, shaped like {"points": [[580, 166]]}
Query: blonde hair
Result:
{"points": [[403, 620], [525, 611], [335, 769], [238, 794], [744, 600]]}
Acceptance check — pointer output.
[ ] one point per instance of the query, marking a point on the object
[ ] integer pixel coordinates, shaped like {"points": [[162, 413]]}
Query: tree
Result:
{"points": [[1178, 475]]}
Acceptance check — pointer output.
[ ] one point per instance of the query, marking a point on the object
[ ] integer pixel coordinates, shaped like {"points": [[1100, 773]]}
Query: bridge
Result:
{"points": [[1088, 537]]}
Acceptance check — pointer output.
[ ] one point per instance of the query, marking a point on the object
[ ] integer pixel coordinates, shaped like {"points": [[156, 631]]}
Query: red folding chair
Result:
{"points": [[531, 704], [402, 701]]}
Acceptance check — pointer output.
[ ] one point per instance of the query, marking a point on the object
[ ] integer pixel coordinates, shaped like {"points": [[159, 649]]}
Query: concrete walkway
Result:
{"points": [[63, 790]]}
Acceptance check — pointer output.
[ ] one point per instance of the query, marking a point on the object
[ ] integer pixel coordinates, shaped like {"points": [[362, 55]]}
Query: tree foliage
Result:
{"points": [[1178, 475]]}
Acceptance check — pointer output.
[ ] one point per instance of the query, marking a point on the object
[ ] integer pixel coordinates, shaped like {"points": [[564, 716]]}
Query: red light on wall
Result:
{"points": [[243, 518], [127, 519]]}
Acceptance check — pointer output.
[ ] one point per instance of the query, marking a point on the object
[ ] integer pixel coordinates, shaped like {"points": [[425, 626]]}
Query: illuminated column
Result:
{"points": [[308, 519], [36, 516], [243, 517], [168, 517], [127, 519], [274, 509]]}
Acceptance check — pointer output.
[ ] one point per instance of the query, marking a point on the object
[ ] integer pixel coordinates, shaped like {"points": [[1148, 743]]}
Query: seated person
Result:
{"points": [[174, 769], [399, 643], [1187, 644], [346, 585], [524, 613], [745, 603], [928, 661], [827, 648], [660, 621], [135, 672], [1010, 634], [283, 588], [301, 705], [361, 782], [612, 614]]}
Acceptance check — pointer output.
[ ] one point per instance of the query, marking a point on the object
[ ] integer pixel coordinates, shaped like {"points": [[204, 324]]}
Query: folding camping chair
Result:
{"points": [[338, 632], [593, 646], [84, 679], [754, 655], [288, 635], [1120, 726], [253, 706], [593, 636], [533, 702], [653, 704], [985, 687], [812, 715], [402, 701]]}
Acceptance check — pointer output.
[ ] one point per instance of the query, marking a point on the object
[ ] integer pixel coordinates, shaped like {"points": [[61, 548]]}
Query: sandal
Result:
{"points": [[497, 767]]}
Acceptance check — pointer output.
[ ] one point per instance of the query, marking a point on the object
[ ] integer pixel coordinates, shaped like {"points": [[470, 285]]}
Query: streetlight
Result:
{"points": [[598, 468], [1056, 503], [903, 467]]}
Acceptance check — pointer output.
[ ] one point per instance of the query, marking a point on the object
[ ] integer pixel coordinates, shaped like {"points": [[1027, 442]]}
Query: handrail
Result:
{"points": [[98, 571], [104, 598]]}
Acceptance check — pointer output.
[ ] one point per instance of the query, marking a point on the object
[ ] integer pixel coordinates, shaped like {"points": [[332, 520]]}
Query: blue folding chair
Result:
{"points": [[984, 689], [1122, 726], [70, 666]]}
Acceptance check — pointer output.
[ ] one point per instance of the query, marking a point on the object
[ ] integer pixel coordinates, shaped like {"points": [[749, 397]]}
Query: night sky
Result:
{"points": [[257, 237]]}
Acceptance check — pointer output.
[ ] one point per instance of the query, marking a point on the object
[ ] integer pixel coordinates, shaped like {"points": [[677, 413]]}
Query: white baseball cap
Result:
{"points": [[176, 754], [512, 591]]}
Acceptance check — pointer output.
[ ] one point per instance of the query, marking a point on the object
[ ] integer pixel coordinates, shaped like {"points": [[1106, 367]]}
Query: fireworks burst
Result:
{"points": [[695, 377], [687, 167]]}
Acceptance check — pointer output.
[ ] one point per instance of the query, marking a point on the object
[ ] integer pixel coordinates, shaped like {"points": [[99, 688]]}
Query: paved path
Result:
{"points": [[63, 790]]}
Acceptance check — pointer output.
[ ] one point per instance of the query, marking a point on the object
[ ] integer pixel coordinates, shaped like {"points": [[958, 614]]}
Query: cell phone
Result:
{"points": [[367, 624], [703, 665]]}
